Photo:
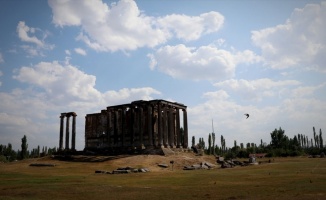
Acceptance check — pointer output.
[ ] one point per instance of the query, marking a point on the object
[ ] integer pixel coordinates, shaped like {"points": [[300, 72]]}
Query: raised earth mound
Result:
{"points": [[178, 161]]}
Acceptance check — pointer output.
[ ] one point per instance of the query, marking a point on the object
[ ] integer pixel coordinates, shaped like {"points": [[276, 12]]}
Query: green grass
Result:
{"points": [[286, 178]]}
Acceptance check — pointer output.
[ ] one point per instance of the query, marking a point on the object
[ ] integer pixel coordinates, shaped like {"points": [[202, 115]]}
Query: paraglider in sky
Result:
{"points": [[247, 115]]}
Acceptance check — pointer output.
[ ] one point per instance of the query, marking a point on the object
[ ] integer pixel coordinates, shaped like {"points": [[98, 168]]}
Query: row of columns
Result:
{"points": [[166, 125], [73, 138]]}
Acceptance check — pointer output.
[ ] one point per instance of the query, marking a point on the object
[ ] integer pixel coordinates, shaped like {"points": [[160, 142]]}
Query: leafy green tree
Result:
{"points": [[253, 146], [8, 149], [38, 151], [315, 137], [311, 144], [216, 150], [193, 141], [1, 149], [201, 143], [24, 146], [213, 138], [52, 150], [223, 144], [209, 144], [242, 153], [9, 153], [313, 129], [294, 147], [235, 149], [222, 139], [321, 141], [279, 139]]}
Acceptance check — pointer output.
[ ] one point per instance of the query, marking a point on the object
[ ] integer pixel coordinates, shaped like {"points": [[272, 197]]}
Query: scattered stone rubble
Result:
{"points": [[221, 162], [202, 165], [163, 165], [198, 151], [123, 170], [233, 163]]}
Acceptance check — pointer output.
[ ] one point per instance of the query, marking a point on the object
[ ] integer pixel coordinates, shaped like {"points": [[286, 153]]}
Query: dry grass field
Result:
{"points": [[284, 178]]}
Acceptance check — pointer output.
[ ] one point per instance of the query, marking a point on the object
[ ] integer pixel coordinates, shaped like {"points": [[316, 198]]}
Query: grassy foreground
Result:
{"points": [[285, 178]]}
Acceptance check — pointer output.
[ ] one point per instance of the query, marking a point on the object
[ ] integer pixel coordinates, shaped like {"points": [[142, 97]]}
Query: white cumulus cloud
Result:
{"points": [[59, 81], [257, 89], [67, 52], [300, 41], [64, 84], [192, 27], [53, 88], [23, 30], [306, 91], [28, 34], [80, 51], [203, 63], [124, 27]]}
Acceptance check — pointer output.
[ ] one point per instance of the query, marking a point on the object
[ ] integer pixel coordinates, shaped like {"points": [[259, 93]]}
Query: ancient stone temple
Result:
{"points": [[73, 139], [140, 125]]}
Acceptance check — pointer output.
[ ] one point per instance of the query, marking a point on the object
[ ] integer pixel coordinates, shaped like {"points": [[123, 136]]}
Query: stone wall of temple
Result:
{"points": [[138, 125]]}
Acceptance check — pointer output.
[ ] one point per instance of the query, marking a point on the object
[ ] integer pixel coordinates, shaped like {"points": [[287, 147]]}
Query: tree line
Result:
{"points": [[280, 145], [7, 154]]}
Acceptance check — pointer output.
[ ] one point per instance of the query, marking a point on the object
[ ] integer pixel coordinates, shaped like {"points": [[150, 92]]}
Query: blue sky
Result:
{"points": [[220, 58]]}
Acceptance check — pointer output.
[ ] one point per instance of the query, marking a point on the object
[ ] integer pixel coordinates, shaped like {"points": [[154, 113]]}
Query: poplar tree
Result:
{"points": [[38, 151], [313, 128], [24, 148], [209, 144], [213, 138], [193, 142], [321, 142]]}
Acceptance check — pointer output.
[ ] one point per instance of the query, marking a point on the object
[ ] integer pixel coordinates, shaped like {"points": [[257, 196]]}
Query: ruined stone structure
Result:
{"points": [[139, 125], [73, 139]]}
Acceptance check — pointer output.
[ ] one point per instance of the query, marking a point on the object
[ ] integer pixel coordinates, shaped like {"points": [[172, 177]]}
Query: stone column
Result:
{"points": [[67, 132], [159, 125], [73, 138], [177, 128], [140, 125], [171, 127], [132, 130], [86, 127], [150, 125], [108, 126], [185, 129], [115, 128], [123, 128], [165, 126], [61, 131]]}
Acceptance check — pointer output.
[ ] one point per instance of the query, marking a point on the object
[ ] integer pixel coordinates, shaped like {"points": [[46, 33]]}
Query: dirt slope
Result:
{"points": [[151, 162]]}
